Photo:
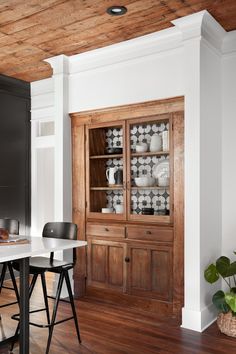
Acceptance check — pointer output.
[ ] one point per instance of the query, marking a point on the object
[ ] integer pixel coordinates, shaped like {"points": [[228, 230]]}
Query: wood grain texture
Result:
{"points": [[33, 30], [149, 250], [106, 264], [114, 329], [132, 111], [178, 196], [78, 202]]}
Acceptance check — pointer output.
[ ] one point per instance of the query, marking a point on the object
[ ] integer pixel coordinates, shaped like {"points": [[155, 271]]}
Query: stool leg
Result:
{"points": [[59, 287], [32, 285], [72, 304], [43, 280], [13, 279], [3, 273]]}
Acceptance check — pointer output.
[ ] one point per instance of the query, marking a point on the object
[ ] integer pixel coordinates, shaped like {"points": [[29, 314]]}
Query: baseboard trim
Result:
{"points": [[198, 320]]}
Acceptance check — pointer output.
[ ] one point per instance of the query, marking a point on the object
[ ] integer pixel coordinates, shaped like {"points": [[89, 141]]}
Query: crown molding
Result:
{"points": [[59, 64], [201, 25], [132, 49], [229, 43]]}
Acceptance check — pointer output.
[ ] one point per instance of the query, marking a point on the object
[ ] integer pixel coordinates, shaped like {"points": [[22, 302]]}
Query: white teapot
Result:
{"points": [[156, 143], [119, 208], [110, 174]]}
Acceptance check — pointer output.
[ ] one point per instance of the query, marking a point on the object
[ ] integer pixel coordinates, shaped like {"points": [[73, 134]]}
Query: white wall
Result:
{"points": [[210, 172], [228, 154], [141, 79]]}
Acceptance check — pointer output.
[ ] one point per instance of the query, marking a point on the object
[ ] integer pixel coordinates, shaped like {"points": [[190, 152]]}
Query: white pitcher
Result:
{"points": [[156, 143], [110, 174]]}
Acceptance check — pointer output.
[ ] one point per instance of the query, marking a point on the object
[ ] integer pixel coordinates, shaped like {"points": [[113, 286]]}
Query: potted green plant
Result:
{"points": [[225, 302]]}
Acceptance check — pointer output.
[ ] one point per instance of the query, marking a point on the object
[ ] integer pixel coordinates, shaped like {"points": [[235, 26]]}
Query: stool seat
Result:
{"points": [[40, 265]]}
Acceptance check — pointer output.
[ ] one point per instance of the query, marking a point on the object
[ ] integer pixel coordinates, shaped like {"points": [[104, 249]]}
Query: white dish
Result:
{"points": [[163, 181], [144, 181], [141, 147], [107, 210], [161, 169]]}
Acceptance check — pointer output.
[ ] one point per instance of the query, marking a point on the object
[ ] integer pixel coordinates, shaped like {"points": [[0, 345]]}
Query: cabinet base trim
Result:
{"points": [[198, 320], [149, 305]]}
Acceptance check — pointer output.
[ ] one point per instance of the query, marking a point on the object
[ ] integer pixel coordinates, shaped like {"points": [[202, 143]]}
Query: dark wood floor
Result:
{"points": [[109, 329]]}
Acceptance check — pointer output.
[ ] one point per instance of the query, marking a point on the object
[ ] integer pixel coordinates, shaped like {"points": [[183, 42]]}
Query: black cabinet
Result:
{"points": [[15, 150]]}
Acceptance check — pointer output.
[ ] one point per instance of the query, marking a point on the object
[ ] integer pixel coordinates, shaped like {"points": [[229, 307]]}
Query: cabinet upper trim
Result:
{"points": [[130, 111]]}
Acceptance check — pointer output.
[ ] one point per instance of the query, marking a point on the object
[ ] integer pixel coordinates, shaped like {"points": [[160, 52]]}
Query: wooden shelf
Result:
{"points": [[110, 156], [106, 188], [133, 154], [153, 187], [149, 153]]}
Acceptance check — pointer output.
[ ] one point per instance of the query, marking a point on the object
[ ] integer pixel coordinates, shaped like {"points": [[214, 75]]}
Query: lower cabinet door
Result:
{"points": [[106, 266], [149, 271]]}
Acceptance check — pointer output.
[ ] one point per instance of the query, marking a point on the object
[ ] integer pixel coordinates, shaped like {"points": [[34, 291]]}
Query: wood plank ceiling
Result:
{"points": [[33, 30]]}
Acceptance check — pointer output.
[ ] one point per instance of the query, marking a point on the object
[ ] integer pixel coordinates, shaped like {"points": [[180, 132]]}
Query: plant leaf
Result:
{"points": [[230, 299], [219, 301], [232, 269], [233, 290], [223, 266], [211, 275]]}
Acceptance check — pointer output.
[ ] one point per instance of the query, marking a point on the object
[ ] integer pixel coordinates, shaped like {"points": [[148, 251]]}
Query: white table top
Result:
{"points": [[36, 247]]}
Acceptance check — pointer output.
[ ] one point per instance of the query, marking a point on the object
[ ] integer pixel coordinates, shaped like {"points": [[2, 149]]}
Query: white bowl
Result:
{"points": [[141, 147], [163, 181], [144, 181], [107, 210]]}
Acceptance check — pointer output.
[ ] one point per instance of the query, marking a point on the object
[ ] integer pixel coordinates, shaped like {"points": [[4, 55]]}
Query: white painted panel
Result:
{"points": [[210, 167], [41, 87], [147, 78], [42, 100], [228, 156], [43, 189], [43, 112]]}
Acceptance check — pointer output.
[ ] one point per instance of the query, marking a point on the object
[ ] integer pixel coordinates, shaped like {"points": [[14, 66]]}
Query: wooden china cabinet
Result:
{"points": [[135, 250]]}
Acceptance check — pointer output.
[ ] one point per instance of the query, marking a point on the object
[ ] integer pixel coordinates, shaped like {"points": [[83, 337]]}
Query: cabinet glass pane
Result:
{"points": [[106, 169], [149, 168]]}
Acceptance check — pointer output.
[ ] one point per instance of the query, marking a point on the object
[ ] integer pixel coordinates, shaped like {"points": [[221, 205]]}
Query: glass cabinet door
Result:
{"points": [[149, 177], [106, 173]]}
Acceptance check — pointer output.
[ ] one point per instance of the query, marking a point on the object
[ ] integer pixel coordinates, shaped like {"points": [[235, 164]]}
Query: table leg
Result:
{"points": [[24, 306]]}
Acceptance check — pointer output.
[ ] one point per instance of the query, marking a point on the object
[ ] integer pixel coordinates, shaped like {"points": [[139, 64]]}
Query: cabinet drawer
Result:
{"points": [[105, 230], [150, 233]]}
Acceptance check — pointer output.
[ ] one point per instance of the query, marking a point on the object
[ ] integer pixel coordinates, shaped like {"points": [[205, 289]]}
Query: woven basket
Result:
{"points": [[227, 324]]}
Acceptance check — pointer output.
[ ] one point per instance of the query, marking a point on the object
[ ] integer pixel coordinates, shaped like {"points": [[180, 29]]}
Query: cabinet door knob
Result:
{"points": [[106, 229], [148, 232], [127, 259]]}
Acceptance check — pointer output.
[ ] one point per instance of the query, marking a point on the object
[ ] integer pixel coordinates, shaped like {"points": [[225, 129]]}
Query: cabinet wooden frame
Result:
{"points": [[81, 121], [157, 119], [158, 280], [110, 270], [98, 215]]}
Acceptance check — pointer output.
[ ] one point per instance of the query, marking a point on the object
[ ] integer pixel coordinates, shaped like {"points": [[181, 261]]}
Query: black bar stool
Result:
{"points": [[13, 228], [40, 265]]}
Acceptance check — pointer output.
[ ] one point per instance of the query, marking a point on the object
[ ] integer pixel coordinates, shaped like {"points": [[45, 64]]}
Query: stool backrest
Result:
{"points": [[11, 225], [62, 230]]}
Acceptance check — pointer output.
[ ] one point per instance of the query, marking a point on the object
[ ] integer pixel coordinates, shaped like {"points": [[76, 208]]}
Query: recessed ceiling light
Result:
{"points": [[116, 10]]}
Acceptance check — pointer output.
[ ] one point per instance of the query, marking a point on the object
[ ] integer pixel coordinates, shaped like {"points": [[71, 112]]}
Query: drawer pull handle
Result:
{"points": [[106, 229], [148, 232], [127, 260]]}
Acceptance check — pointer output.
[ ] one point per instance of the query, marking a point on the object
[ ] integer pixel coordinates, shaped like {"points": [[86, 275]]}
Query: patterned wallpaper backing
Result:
{"points": [[156, 198]]}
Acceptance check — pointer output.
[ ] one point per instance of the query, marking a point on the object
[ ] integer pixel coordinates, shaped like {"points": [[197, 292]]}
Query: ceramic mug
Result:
{"points": [[156, 143], [119, 208]]}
